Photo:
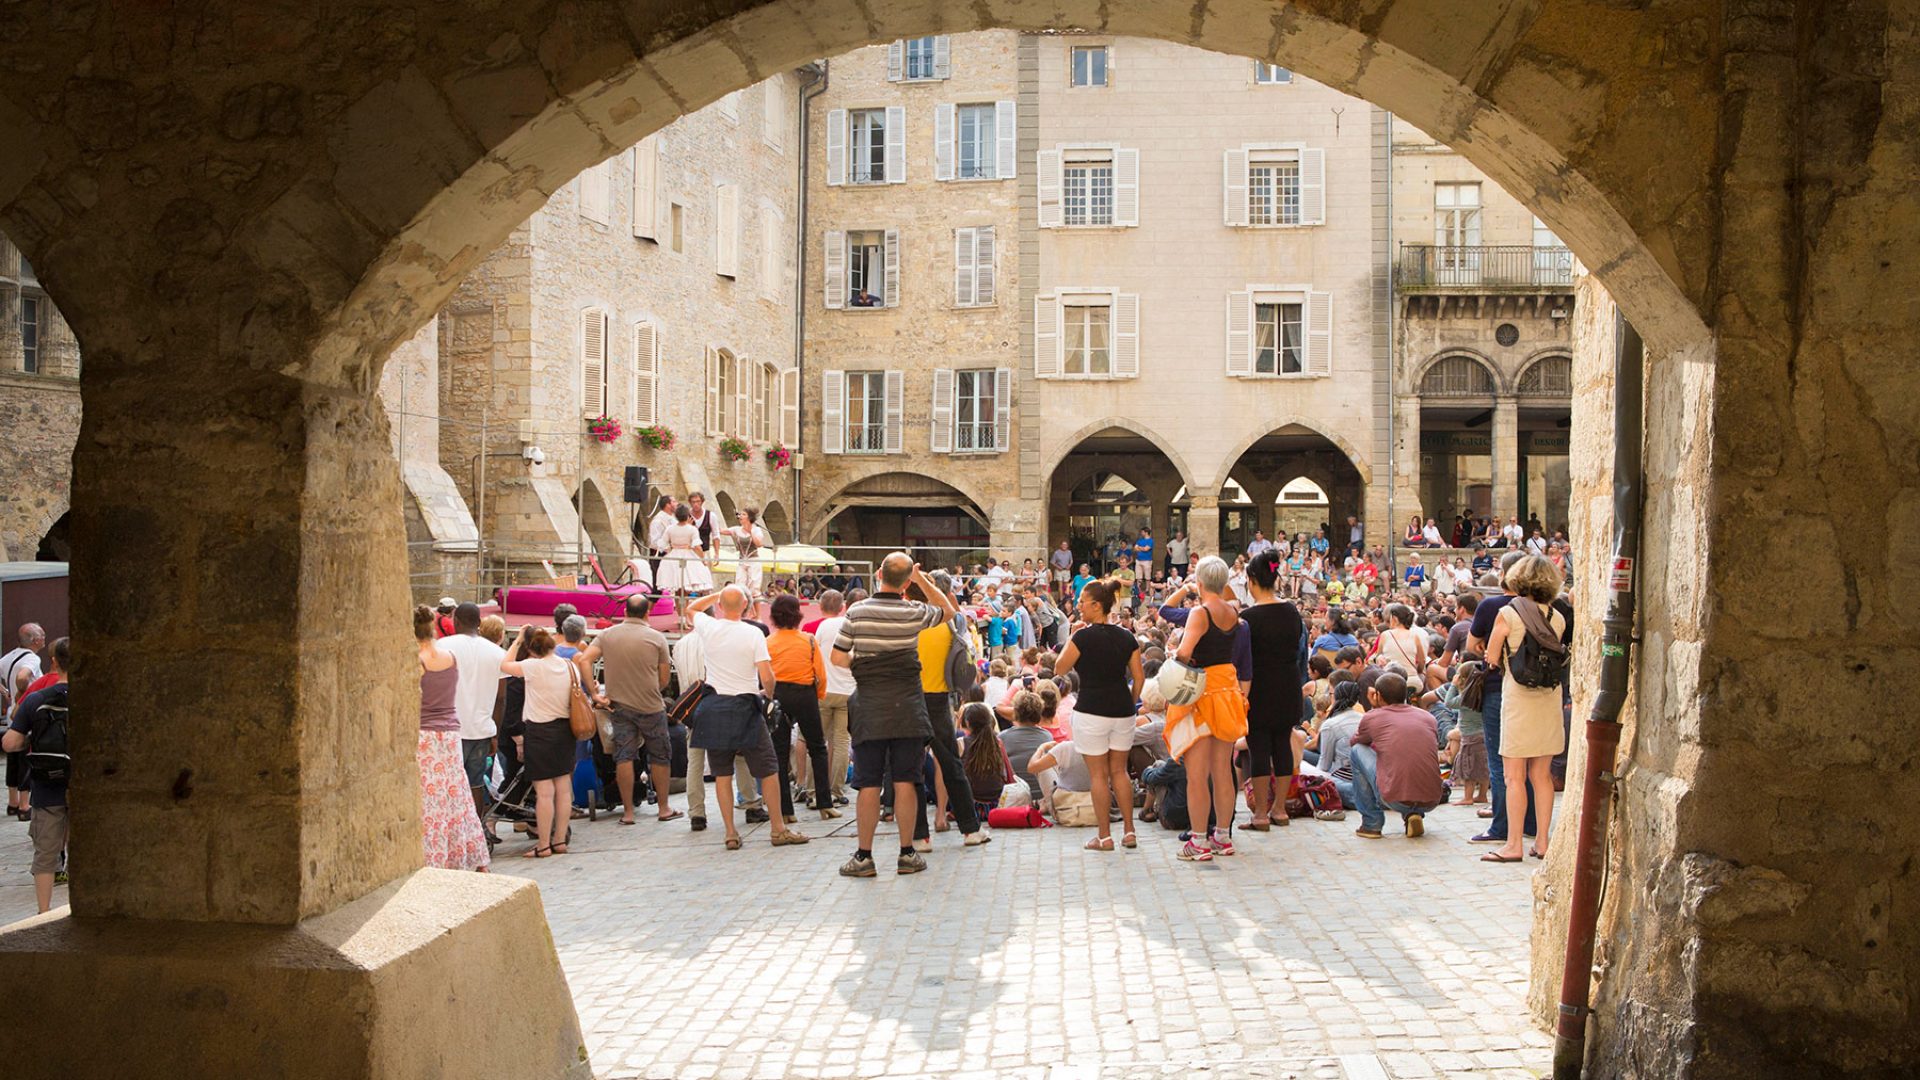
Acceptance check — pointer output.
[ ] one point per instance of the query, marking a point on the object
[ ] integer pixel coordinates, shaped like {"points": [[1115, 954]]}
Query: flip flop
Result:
{"points": [[672, 815], [1496, 857]]}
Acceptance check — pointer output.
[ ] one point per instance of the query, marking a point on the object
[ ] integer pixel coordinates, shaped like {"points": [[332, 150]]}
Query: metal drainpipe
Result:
{"points": [[815, 85], [1393, 380], [1603, 724]]}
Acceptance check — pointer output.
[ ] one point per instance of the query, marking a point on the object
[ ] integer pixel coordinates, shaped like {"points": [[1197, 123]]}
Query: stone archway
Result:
{"points": [[607, 532], [319, 198]]}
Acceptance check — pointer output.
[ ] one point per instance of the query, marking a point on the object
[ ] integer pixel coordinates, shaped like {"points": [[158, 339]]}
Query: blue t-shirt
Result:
{"points": [[1143, 551], [1079, 582], [1416, 576], [997, 631]]}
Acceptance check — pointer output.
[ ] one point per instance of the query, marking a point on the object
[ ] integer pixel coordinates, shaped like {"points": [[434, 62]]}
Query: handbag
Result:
{"points": [[579, 709], [1016, 794], [1017, 817]]}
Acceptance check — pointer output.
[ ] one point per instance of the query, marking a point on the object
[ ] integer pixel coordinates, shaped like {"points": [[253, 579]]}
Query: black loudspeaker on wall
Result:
{"points": [[636, 484]]}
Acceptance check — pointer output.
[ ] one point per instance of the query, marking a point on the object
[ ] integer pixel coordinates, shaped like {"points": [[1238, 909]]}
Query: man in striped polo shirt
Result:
{"points": [[887, 714]]}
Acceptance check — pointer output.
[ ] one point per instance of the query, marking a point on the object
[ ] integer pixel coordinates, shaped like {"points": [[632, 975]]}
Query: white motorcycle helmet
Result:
{"points": [[1180, 684]]}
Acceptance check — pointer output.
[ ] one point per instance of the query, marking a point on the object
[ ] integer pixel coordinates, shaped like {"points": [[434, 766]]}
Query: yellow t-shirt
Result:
{"points": [[935, 642]]}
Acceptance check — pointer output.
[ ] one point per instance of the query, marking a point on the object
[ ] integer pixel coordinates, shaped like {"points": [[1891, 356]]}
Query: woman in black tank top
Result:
{"points": [[1273, 702], [1220, 715]]}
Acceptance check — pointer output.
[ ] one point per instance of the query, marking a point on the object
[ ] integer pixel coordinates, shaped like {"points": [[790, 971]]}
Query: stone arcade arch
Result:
{"points": [[1122, 447], [240, 224], [1265, 461]]}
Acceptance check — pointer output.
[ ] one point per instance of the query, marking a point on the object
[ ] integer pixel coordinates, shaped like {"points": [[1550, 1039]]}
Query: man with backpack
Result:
{"points": [[947, 667], [39, 729], [18, 668]]}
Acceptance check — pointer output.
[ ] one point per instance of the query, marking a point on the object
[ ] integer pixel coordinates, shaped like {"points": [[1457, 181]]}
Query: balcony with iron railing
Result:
{"points": [[1483, 268]]}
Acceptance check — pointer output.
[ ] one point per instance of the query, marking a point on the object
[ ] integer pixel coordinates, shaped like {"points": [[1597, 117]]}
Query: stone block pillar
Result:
{"points": [[1506, 457], [1406, 466], [1203, 523]]}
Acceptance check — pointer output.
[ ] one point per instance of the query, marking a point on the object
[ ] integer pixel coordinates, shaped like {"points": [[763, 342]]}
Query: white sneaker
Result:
{"points": [[923, 845], [975, 839]]}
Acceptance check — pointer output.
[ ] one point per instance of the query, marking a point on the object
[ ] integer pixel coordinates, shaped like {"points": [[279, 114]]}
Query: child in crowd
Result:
{"points": [[1467, 743]]}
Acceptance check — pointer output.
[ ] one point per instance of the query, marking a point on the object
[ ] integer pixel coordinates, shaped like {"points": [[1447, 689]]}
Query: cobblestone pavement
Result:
{"points": [[1311, 954]]}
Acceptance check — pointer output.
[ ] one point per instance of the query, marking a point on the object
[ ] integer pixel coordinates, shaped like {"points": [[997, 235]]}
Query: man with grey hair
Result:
{"points": [[879, 643], [840, 686], [731, 721], [18, 669]]}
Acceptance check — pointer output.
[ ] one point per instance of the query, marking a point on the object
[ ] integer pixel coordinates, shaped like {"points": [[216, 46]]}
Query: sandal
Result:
{"points": [[1260, 823], [1100, 843], [672, 815], [829, 814], [790, 837], [1496, 857], [1129, 840], [733, 843], [1537, 853], [537, 853]]}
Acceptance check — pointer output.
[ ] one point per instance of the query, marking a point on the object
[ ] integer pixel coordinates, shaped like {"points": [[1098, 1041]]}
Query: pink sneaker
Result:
{"points": [[1192, 852], [1220, 845]]}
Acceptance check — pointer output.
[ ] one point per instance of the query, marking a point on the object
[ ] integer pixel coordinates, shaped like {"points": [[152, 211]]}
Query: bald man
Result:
{"points": [[17, 669], [731, 721]]}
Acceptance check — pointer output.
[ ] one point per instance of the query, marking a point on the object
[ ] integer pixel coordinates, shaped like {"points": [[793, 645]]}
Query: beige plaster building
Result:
{"points": [[39, 414]]}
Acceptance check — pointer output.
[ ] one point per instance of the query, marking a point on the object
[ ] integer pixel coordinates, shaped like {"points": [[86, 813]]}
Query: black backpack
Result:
{"points": [[1540, 661], [47, 760]]}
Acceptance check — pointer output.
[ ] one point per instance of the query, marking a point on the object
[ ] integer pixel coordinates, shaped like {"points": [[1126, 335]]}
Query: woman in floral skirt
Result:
{"points": [[450, 827]]}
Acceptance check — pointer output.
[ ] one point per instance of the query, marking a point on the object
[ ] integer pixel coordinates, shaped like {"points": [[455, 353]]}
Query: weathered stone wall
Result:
{"points": [[40, 417]]}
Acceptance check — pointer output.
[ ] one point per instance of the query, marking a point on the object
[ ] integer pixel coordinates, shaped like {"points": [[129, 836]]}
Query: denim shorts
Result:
{"points": [[474, 754]]}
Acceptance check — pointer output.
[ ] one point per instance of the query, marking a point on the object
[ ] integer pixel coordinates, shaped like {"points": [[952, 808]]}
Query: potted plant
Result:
{"points": [[655, 436], [733, 449], [604, 428], [779, 456]]}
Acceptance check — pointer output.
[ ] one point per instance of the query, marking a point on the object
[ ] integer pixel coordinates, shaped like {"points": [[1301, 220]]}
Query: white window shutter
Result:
{"points": [[896, 410], [983, 265], [1126, 187], [646, 375], [941, 423], [943, 124], [593, 362], [726, 230], [790, 407], [836, 146], [1047, 165], [742, 398], [1046, 336], [1126, 335], [1313, 186], [713, 391], [896, 144], [835, 257], [1005, 131], [1002, 407], [896, 61], [942, 57], [1240, 333], [646, 167], [772, 245], [833, 411], [1235, 179], [774, 110], [1319, 333], [963, 266], [892, 297]]}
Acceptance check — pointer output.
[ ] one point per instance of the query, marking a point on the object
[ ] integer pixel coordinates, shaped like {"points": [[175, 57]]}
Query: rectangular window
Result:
{"points": [[977, 138], [29, 333], [1273, 189], [1270, 74], [1087, 188], [1089, 65], [1456, 232], [919, 58], [866, 269], [1089, 338], [868, 128], [1279, 336], [866, 412], [973, 415]]}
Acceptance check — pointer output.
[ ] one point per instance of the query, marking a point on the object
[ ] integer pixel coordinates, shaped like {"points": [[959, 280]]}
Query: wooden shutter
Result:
{"points": [[593, 362], [892, 289], [1319, 319], [963, 266], [941, 423], [833, 411], [1234, 177], [772, 243], [774, 132], [646, 169], [713, 391], [790, 408], [896, 409], [942, 57], [896, 61], [1046, 336], [983, 265], [1240, 333], [1006, 152], [896, 144], [1126, 335], [1002, 407], [835, 258], [1126, 187], [726, 230], [1047, 165], [1313, 186], [742, 398], [646, 375], [836, 146], [943, 150]]}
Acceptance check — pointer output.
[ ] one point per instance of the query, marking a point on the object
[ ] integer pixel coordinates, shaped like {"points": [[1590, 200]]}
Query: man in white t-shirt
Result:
{"points": [[478, 662], [840, 686], [1513, 533], [18, 668], [730, 722]]}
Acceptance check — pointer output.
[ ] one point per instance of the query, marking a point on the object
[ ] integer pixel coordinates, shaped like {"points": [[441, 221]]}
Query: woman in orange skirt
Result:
{"points": [[1218, 717]]}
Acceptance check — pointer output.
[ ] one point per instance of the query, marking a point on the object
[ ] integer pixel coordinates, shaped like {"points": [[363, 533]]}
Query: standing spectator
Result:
{"points": [[1060, 563], [840, 687], [1219, 716], [1177, 549], [40, 723], [1484, 618], [1356, 536], [443, 618], [18, 669], [1532, 721], [479, 687], [1143, 552], [731, 721], [450, 830], [1394, 764], [637, 669], [888, 712], [547, 741], [1108, 659], [799, 684], [1273, 698], [937, 646]]}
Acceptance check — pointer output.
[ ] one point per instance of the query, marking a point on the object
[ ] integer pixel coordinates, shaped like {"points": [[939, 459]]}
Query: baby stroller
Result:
{"points": [[513, 803]]}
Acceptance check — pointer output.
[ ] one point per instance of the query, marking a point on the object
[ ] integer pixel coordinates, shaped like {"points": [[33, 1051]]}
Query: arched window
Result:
{"points": [[1457, 377], [1550, 377]]}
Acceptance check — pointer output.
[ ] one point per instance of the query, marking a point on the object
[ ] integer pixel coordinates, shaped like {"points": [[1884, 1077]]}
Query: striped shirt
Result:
{"points": [[885, 624]]}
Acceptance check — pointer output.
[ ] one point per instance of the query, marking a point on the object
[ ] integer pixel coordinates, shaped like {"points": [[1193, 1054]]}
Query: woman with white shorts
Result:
{"points": [[1108, 661]]}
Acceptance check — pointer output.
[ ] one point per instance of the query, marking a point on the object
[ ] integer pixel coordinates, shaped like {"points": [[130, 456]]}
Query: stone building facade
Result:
{"points": [[39, 414]]}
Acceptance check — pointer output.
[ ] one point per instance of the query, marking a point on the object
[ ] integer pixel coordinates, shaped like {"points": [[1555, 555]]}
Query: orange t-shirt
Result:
{"points": [[796, 659]]}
